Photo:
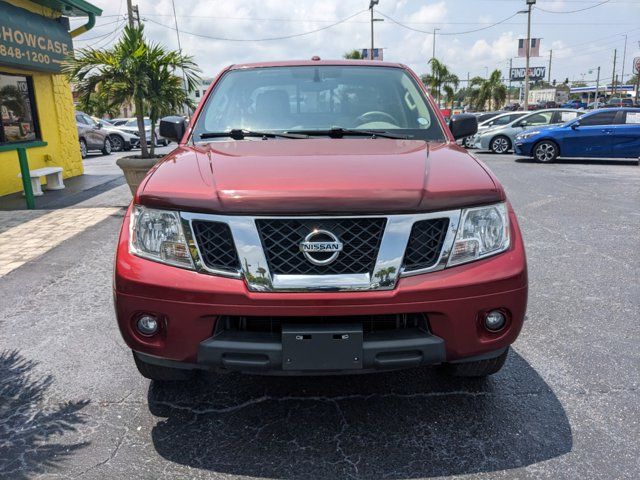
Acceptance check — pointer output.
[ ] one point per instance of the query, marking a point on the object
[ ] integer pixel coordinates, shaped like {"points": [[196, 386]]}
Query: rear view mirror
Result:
{"points": [[173, 128], [463, 125]]}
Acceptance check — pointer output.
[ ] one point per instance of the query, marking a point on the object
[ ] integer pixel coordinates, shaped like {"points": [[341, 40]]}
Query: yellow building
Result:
{"points": [[36, 105]]}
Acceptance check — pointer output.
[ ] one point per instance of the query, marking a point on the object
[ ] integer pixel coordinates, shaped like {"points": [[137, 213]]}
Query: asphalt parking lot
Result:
{"points": [[566, 405]]}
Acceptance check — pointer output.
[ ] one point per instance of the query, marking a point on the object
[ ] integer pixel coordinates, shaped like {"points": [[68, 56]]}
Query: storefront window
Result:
{"points": [[18, 120]]}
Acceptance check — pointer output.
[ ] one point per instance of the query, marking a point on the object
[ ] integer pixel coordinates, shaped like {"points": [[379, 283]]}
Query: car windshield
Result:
{"points": [[317, 99], [134, 123]]}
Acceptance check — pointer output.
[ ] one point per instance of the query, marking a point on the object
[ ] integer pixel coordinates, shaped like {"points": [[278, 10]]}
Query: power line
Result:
{"points": [[393, 20], [573, 11], [283, 37], [98, 26]]}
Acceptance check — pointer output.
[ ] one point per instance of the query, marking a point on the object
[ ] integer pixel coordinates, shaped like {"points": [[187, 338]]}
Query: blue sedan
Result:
{"points": [[604, 133]]}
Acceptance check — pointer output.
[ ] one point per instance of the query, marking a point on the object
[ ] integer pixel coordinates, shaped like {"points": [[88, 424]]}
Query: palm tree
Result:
{"points": [[353, 55], [440, 78], [130, 71], [489, 91]]}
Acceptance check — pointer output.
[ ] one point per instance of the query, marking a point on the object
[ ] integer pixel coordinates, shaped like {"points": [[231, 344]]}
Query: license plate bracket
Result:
{"points": [[322, 347]]}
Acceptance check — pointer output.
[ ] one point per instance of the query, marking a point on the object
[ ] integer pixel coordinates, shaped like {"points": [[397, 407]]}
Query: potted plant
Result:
{"points": [[135, 71]]}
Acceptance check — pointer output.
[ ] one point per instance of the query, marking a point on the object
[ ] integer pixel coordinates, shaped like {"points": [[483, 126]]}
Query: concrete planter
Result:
{"points": [[135, 169]]}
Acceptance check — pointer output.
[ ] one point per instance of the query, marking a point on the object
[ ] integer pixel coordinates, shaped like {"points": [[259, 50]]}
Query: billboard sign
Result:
{"points": [[377, 54], [535, 73]]}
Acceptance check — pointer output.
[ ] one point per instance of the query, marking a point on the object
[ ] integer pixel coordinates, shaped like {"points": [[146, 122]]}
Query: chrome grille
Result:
{"points": [[216, 245], [281, 239], [425, 243]]}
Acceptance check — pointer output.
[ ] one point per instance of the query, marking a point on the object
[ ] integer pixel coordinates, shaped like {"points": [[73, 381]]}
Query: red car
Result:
{"points": [[318, 217]]}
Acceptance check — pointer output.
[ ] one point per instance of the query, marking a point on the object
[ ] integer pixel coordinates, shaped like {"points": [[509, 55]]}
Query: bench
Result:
{"points": [[54, 179]]}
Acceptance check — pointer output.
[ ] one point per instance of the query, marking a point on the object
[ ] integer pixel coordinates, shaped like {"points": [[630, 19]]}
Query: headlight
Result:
{"points": [[525, 135], [483, 231], [157, 235]]}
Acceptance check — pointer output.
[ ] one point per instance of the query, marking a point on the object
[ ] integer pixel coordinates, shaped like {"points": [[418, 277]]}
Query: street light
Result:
{"points": [[433, 54], [530, 4]]}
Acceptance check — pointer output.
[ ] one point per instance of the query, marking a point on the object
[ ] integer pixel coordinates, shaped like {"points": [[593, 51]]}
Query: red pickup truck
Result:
{"points": [[318, 217]]}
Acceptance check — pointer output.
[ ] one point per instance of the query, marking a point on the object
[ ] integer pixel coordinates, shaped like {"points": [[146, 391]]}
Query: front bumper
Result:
{"points": [[481, 142], [190, 304], [523, 148]]}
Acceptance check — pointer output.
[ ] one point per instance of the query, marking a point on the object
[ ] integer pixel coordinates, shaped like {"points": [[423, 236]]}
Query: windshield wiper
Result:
{"points": [[339, 132], [241, 134]]}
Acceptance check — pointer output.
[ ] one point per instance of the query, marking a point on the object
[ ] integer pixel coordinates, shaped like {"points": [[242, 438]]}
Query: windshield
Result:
{"points": [[134, 123], [279, 99]]}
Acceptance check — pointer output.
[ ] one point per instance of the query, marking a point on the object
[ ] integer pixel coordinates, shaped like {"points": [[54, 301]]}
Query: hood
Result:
{"points": [[312, 176]]}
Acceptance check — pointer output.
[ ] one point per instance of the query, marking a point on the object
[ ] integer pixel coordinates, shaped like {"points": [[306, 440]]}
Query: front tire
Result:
{"points": [[467, 142], [107, 149], [545, 151], [117, 143], [500, 144], [159, 373], [479, 368]]}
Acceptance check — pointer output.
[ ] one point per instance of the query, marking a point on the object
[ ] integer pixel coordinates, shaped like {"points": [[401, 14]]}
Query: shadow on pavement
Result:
{"points": [[408, 424], [584, 161], [30, 429]]}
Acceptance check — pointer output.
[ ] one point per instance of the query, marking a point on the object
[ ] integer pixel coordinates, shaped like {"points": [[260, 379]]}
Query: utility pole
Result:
{"points": [[613, 74], [184, 78], [624, 59], [130, 13], [596, 100], [549, 72], [433, 54], [530, 4], [371, 4], [509, 89]]}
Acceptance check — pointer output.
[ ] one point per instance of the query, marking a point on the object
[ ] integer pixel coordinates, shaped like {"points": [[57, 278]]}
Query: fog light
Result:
{"points": [[147, 325], [495, 320]]}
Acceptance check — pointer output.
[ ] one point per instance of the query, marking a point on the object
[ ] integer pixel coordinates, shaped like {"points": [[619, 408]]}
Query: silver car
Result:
{"points": [[500, 138], [131, 126]]}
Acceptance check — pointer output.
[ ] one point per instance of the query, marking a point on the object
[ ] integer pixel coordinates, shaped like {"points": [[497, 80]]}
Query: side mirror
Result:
{"points": [[575, 124], [463, 125], [523, 123], [173, 128], [98, 125]]}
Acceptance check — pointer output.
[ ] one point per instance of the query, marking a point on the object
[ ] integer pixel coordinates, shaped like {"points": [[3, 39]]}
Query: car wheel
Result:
{"points": [[159, 373], [479, 368], [467, 142], [500, 144], [545, 151], [83, 148], [106, 150], [117, 143]]}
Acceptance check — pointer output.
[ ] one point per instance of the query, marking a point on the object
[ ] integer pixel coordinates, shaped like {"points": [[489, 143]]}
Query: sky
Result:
{"points": [[218, 33]]}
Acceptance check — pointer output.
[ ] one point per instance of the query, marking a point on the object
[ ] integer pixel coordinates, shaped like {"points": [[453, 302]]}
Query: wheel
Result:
{"points": [[500, 144], [480, 368], [159, 373], [117, 143], [467, 142], [545, 151], [83, 148], [106, 150]]}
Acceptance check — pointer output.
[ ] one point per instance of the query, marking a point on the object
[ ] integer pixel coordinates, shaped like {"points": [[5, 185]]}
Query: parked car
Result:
{"points": [[512, 107], [618, 102], [500, 139], [546, 104], [502, 119], [289, 236], [120, 140], [577, 104], [131, 126], [608, 133], [92, 135], [467, 142]]}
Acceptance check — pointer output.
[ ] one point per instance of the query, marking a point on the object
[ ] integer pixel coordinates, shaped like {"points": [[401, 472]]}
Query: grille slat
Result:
{"points": [[425, 243], [216, 245], [281, 239]]}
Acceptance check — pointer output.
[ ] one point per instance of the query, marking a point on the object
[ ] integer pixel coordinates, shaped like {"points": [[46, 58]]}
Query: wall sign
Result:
{"points": [[32, 41]]}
